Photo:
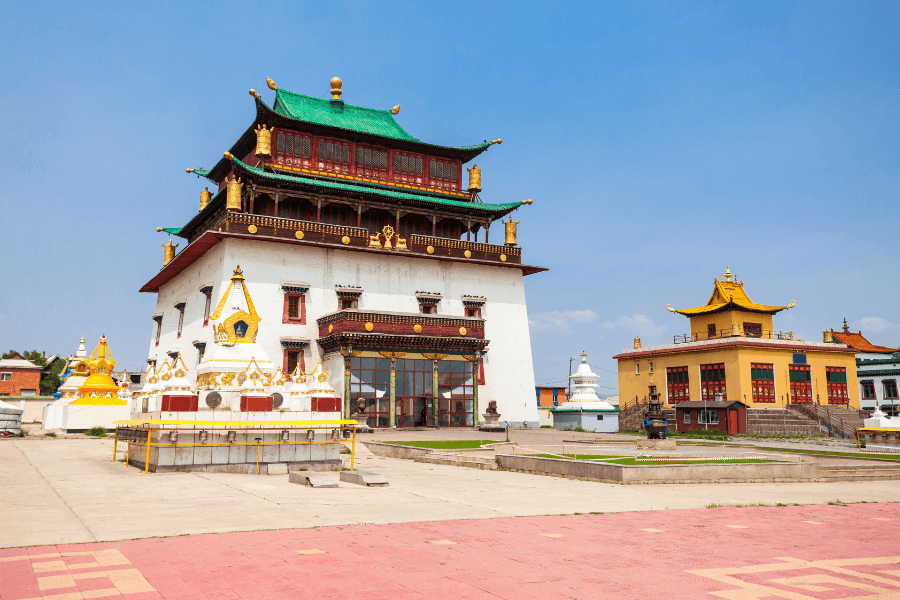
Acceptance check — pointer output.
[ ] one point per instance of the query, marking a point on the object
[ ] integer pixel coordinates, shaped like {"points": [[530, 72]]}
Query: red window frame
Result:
{"points": [[293, 357], [293, 148], [180, 307], [443, 173], [473, 311], [328, 157], [300, 300], [678, 384], [711, 331], [836, 385], [800, 378], [753, 329], [370, 161], [206, 308], [407, 174], [348, 303], [427, 308], [762, 382], [158, 328], [712, 381]]}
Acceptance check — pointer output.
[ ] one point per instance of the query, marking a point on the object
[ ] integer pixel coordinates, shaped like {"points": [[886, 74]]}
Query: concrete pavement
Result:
{"points": [[68, 491]]}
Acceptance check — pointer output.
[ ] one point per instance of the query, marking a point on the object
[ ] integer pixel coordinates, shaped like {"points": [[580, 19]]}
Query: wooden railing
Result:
{"points": [[733, 332]]}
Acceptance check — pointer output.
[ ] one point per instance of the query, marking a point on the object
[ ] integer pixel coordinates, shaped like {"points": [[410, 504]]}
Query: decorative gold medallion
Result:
{"points": [[462, 331], [370, 326], [417, 328], [299, 235], [467, 254], [345, 240], [252, 229], [330, 328], [503, 257], [430, 249]]}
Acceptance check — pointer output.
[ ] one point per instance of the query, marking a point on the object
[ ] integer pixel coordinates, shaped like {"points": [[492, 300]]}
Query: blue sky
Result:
{"points": [[660, 141]]}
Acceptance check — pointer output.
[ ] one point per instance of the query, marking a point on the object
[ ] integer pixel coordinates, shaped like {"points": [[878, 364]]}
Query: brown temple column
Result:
{"points": [[487, 233], [277, 214], [359, 215], [252, 198], [468, 231], [433, 225], [397, 228], [319, 211]]}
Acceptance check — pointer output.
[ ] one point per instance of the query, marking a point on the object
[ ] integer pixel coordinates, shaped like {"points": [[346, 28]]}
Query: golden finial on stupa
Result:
{"points": [[474, 179], [101, 364], [263, 141], [233, 195], [336, 84], [205, 197]]}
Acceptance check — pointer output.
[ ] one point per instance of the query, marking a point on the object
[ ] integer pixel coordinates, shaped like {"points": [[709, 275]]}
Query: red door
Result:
{"points": [[732, 422]]}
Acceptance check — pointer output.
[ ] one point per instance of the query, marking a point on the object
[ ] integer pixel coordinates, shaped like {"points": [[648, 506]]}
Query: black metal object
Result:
{"points": [[655, 423]]}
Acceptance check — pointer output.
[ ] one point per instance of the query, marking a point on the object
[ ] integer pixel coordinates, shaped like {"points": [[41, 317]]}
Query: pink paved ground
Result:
{"points": [[820, 552]]}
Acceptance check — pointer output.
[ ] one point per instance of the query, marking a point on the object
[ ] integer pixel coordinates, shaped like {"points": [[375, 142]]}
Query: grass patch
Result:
{"points": [[446, 444], [345, 451], [96, 432], [828, 453], [630, 460], [51, 434]]}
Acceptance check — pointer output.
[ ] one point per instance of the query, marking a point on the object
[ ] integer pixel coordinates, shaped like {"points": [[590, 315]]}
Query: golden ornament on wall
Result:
{"points": [[503, 257], [511, 231], [462, 331], [417, 328], [345, 239], [467, 254], [252, 228], [370, 326], [330, 328], [299, 235], [430, 249]]}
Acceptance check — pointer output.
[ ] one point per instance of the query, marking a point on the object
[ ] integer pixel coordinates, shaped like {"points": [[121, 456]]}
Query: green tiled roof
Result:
{"points": [[376, 191], [172, 230], [202, 172]]}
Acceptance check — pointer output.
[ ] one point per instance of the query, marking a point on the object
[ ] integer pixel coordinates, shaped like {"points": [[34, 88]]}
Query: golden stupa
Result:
{"points": [[100, 388]]}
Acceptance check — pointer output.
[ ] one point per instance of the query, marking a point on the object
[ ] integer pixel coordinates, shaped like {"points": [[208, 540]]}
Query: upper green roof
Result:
{"points": [[172, 230], [339, 114]]}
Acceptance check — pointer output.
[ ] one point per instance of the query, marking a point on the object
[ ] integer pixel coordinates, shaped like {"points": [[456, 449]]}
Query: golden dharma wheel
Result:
{"points": [[462, 331], [417, 328]]}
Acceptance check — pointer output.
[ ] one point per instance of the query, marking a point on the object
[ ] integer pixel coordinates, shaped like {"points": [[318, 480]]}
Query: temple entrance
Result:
{"points": [[412, 411]]}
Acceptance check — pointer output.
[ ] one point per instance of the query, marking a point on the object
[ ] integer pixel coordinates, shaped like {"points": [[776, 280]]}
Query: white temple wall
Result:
{"points": [[389, 284]]}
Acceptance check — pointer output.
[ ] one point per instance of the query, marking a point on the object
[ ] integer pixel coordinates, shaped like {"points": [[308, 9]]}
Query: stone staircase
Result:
{"points": [[779, 420], [860, 473]]}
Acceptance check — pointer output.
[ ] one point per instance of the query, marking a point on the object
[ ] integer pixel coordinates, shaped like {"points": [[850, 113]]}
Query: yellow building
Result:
{"points": [[733, 349]]}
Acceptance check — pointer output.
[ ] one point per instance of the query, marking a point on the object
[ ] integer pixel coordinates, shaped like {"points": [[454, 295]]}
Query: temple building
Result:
{"points": [[733, 349], [877, 369], [368, 258]]}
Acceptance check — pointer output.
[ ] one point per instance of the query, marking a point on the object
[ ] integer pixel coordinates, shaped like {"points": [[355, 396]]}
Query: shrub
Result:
{"points": [[546, 426], [345, 451], [96, 432], [51, 434], [579, 429]]}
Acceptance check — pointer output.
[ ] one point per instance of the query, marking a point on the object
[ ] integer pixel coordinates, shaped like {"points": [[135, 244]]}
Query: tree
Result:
{"points": [[49, 379]]}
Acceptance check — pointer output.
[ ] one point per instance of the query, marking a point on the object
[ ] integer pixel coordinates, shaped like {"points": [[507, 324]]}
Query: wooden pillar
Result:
{"points": [[476, 369], [252, 198], [487, 233], [397, 227], [277, 214], [359, 215], [433, 225], [434, 393], [468, 231], [347, 382], [393, 413], [319, 211]]}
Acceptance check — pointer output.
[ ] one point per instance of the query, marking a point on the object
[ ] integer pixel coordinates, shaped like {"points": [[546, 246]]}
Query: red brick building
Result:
{"points": [[19, 377]]}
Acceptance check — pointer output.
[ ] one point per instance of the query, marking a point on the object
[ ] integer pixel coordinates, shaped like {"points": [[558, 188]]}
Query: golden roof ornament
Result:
{"points": [[228, 155], [263, 141], [511, 230], [233, 195], [271, 84], [727, 275], [497, 141], [205, 197], [529, 201], [475, 179], [168, 251], [254, 94], [189, 170], [395, 110], [336, 84]]}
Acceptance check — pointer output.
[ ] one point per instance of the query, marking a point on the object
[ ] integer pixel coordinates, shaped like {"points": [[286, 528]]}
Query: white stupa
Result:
{"points": [[584, 408]]}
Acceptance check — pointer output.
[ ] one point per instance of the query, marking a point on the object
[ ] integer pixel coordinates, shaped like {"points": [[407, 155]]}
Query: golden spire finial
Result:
{"points": [[228, 155], [336, 84], [846, 329], [271, 84], [395, 110], [727, 274], [188, 170], [238, 274], [253, 93], [497, 141], [529, 201]]}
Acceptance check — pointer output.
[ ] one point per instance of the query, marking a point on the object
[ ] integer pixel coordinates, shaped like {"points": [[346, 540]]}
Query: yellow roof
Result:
{"points": [[729, 295]]}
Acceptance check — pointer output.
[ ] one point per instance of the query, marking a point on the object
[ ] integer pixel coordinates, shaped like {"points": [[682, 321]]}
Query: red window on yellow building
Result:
{"points": [[836, 380], [678, 385], [762, 382], [801, 384], [712, 381]]}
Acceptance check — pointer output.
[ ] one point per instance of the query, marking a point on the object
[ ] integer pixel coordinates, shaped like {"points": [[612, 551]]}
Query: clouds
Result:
{"points": [[635, 324], [878, 324], [560, 320]]}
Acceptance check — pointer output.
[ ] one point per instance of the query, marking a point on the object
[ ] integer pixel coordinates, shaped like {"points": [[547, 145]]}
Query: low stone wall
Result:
{"points": [[33, 406], [395, 451], [694, 473]]}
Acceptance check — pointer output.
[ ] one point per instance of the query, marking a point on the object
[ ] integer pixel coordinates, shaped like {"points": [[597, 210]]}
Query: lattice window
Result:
{"points": [[453, 172], [280, 145], [360, 156], [321, 149], [289, 145], [712, 381], [762, 382], [801, 383], [836, 382], [678, 384], [397, 162]]}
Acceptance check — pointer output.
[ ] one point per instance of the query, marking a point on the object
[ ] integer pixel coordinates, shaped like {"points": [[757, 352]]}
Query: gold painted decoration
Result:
{"points": [[336, 84], [474, 179], [417, 328], [435, 356], [168, 252], [253, 93], [395, 110], [263, 142], [511, 231], [205, 197], [242, 325], [469, 357], [370, 326], [299, 235], [503, 258], [462, 331], [387, 354], [467, 254], [252, 228], [345, 240], [271, 84], [430, 249], [330, 327], [233, 194]]}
